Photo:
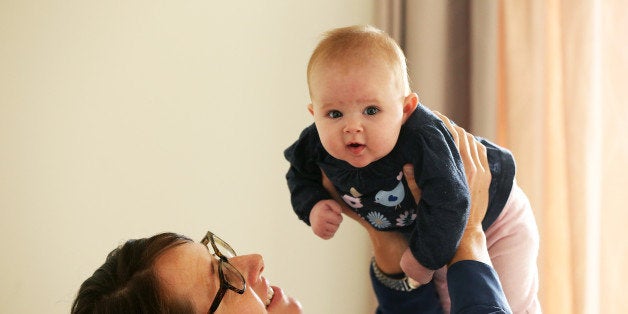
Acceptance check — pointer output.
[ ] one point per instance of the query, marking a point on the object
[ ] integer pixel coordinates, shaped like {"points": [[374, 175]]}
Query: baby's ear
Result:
{"points": [[310, 108], [409, 105]]}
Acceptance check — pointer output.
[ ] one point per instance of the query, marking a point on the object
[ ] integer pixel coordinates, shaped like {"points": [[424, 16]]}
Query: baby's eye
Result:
{"points": [[371, 110], [334, 114]]}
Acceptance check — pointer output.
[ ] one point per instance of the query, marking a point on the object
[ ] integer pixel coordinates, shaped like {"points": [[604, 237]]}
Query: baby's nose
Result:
{"points": [[353, 125]]}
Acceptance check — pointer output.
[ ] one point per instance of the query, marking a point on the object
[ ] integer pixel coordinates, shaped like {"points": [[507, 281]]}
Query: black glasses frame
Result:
{"points": [[223, 265]]}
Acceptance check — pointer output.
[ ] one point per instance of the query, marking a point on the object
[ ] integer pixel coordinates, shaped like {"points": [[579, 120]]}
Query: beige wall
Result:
{"points": [[123, 119]]}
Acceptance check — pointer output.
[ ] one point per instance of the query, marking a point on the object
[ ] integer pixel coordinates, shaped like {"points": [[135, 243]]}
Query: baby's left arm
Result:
{"points": [[444, 206]]}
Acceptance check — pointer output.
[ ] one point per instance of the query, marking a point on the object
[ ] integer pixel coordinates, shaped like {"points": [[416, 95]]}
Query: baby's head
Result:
{"points": [[353, 46], [360, 93]]}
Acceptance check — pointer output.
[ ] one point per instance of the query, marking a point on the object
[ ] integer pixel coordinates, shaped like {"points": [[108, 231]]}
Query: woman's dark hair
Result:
{"points": [[127, 283]]}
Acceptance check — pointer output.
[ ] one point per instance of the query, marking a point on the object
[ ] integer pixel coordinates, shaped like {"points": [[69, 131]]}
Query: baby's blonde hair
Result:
{"points": [[354, 44]]}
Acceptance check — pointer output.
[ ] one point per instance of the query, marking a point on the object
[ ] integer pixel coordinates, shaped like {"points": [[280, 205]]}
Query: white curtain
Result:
{"points": [[546, 79]]}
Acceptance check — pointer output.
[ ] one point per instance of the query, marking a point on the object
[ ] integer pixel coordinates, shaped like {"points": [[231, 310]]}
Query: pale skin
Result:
{"points": [[358, 110]]}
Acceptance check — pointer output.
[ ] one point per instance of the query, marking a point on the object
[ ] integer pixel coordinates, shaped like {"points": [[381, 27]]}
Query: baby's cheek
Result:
{"points": [[333, 147]]}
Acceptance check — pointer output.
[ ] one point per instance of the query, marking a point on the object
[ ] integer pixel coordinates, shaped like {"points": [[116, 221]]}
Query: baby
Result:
{"points": [[367, 126]]}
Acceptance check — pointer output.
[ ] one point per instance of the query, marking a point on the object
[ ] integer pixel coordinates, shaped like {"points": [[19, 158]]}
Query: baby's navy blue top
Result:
{"points": [[380, 194]]}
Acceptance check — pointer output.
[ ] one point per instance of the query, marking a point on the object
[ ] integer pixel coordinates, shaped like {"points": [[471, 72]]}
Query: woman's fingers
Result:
{"points": [[452, 129], [473, 147], [483, 157], [408, 172], [472, 152], [466, 153]]}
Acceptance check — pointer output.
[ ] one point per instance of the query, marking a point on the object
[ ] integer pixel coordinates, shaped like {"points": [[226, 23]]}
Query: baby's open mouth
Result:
{"points": [[355, 148]]}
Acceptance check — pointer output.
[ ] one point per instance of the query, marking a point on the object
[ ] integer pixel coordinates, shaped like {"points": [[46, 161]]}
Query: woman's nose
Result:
{"points": [[251, 266]]}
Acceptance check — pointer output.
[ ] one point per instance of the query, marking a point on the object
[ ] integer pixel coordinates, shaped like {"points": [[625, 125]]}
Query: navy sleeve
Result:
{"points": [[304, 175], [445, 200], [474, 288]]}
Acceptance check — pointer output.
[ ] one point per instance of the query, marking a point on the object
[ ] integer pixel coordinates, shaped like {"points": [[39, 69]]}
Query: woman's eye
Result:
{"points": [[371, 111], [334, 114]]}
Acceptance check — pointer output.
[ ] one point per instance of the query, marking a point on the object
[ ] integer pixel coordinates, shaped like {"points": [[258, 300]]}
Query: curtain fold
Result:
{"points": [[546, 79], [439, 32]]}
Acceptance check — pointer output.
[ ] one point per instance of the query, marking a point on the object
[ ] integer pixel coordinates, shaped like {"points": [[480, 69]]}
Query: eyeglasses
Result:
{"points": [[230, 277]]}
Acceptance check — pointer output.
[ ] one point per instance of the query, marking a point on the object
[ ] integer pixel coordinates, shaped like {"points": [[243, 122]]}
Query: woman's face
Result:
{"points": [[189, 272]]}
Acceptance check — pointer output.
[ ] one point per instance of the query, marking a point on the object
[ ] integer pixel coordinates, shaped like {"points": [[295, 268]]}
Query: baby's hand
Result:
{"points": [[325, 218]]}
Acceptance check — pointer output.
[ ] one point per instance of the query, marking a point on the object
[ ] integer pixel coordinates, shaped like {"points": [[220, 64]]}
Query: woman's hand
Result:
{"points": [[473, 242], [476, 169]]}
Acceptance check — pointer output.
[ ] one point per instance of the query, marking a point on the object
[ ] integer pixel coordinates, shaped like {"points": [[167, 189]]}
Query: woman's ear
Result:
{"points": [[310, 108], [409, 105]]}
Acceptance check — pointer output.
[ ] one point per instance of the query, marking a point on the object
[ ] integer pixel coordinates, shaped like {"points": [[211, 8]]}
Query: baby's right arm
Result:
{"points": [[325, 218], [304, 176]]}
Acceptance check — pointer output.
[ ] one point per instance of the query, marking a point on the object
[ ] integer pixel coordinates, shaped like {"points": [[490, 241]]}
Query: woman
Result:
{"points": [[169, 273]]}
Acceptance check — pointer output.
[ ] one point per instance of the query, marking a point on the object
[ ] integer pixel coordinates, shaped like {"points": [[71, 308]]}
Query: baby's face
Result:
{"points": [[358, 109]]}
